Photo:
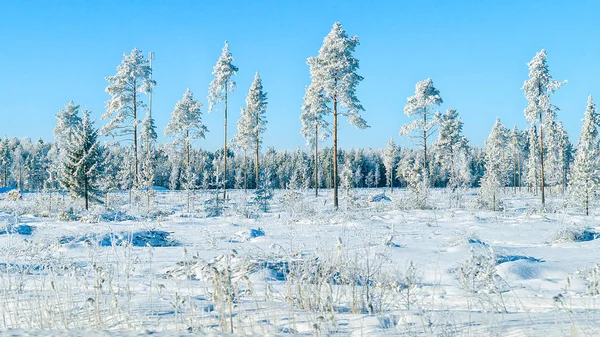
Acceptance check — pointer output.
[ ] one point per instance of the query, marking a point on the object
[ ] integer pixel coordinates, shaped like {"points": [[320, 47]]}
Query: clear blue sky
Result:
{"points": [[475, 52]]}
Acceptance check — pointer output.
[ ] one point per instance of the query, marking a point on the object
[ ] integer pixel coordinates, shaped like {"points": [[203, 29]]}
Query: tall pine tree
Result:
{"points": [[133, 78], [334, 71], [219, 88]]}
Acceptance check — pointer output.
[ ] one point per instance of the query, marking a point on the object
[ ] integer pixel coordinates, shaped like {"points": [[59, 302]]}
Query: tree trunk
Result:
{"points": [[85, 190], [225, 149], [317, 160], [425, 163], [335, 158], [135, 150], [256, 169], [245, 172], [542, 162], [188, 168]]}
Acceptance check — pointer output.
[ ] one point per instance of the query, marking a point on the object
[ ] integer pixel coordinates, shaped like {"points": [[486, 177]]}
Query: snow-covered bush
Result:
{"points": [[573, 233], [14, 195]]}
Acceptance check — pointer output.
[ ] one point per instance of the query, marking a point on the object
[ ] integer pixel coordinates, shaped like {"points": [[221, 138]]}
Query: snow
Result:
{"points": [[371, 268]]}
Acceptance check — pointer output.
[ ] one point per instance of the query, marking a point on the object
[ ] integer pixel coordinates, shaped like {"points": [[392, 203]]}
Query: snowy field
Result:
{"points": [[374, 267]]}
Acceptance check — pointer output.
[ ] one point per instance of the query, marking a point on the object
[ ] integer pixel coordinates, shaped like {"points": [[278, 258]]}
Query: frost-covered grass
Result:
{"points": [[374, 267]]}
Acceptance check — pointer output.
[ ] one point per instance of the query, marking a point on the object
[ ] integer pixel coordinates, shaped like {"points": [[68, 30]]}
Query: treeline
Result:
{"points": [[35, 166]]}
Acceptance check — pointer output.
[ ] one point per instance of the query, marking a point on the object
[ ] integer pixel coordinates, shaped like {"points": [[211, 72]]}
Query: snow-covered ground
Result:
{"points": [[372, 268]]}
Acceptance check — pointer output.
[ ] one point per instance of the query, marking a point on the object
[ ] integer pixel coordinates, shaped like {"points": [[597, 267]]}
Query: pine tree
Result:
{"points": [[558, 155], [585, 180], [314, 126], [5, 160], [451, 145], [496, 163], [219, 88], [148, 137], [538, 89], [256, 107], [244, 139], [68, 122], [533, 160], [421, 106], [133, 77], [186, 124], [334, 71], [390, 160], [84, 163], [516, 147]]}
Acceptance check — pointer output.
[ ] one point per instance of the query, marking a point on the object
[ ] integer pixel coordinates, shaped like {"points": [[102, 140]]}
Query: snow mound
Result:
{"points": [[152, 238], [21, 229], [574, 234], [511, 258], [247, 235], [379, 198], [521, 270]]}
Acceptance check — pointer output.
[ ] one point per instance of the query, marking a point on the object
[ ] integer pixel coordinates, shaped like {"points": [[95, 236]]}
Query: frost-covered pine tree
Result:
{"points": [[67, 124], [218, 90], [133, 78], [565, 156], [83, 167], [421, 106], [533, 160], [390, 160], [516, 147], [5, 159], [244, 139], [451, 145], [256, 108], [584, 184], [148, 137], [538, 89], [496, 163], [184, 125], [314, 126], [558, 153], [334, 71]]}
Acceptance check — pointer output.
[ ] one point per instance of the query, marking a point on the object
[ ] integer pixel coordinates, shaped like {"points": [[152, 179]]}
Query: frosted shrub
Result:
{"points": [[14, 195]]}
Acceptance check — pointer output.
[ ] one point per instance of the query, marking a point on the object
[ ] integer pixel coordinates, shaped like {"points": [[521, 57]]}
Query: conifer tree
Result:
{"points": [[390, 160], [494, 178], [5, 160], [538, 89], [148, 137], [133, 78], [83, 166], [186, 124], [314, 126], [451, 144], [256, 107], [585, 180], [219, 88], [334, 71], [421, 106]]}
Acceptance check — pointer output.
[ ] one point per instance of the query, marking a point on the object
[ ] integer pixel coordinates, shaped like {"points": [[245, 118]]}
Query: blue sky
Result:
{"points": [[475, 52]]}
